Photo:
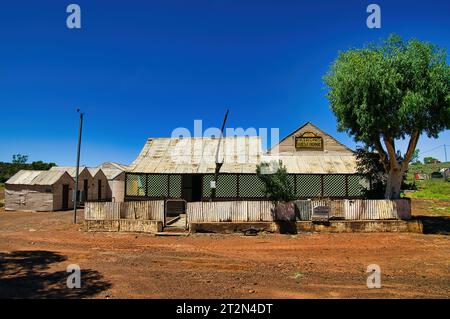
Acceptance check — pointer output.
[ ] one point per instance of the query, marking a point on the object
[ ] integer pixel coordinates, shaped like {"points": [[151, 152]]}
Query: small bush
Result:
{"points": [[276, 182]]}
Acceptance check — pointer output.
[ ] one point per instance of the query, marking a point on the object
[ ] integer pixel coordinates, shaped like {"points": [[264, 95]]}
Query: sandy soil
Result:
{"points": [[36, 248]]}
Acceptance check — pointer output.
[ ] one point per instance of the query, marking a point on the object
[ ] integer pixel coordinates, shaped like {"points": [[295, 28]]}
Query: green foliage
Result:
{"points": [[415, 156], [9, 169], [391, 90], [41, 166], [369, 165], [432, 189], [276, 183], [429, 160], [19, 159], [426, 168]]}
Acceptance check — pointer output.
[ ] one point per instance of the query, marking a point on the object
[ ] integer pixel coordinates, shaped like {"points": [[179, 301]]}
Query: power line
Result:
{"points": [[435, 148]]}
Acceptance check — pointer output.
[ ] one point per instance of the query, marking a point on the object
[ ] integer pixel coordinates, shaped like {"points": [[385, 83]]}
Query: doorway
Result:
{"points": [[99, 189], [65, 197], [85, 190], [192, 187]]}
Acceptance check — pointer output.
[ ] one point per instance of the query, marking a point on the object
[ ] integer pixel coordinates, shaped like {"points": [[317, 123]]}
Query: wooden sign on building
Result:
{"points": [[309, 140]]}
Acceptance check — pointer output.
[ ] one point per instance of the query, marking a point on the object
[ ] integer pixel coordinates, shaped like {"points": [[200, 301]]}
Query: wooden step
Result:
{"points": [[185, 234]]}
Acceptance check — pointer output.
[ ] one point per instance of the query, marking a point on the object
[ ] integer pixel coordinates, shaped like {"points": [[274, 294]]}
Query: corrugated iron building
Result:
{"points": [[39, 191], [115, 174], [92, 182], [183, 168]]}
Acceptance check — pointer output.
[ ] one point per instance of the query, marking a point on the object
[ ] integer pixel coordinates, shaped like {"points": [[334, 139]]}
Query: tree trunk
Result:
{"points": [[393, 184]]}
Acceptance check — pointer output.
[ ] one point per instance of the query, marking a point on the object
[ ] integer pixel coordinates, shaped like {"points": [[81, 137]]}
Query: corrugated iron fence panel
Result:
{"points": [[264, 210], [354, 209], [194, 212], [337, 209], [94, 210], [210, 212], [236, 211], [267, 211], [223, 212], [254, 211], [156, 211], [239, 211], [303, 209], [148, 210], [370, 209]]}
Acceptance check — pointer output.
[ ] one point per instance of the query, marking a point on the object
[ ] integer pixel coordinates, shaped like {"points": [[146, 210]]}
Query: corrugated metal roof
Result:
{"points": [[26, 177], [112, 173], [94, 170], [113, 165], [71, 170], [239, 154], [198, 155], [316, 164]]}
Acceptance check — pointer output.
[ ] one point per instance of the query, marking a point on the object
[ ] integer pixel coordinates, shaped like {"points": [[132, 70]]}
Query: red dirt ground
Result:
{"points": [[36, 248]]}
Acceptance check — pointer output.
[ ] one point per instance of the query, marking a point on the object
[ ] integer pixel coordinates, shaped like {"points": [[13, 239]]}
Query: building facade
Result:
{"points": [[184, 168]]}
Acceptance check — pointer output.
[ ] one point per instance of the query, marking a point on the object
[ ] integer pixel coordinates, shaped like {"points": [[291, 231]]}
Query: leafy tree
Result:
{"points": [[19, 159], [41, 166], [429, 160], [389, 91], [415, 156], [18, 163], [370, 166], [276, 183]]}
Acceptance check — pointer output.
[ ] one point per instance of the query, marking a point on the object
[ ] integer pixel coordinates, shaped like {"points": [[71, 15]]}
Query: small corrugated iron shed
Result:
{"points": [[115, 173], [29, 177], [39, 191]]}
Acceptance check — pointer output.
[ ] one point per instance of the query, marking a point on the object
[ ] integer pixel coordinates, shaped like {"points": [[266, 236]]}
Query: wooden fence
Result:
{"points": [[144, 210], [254, 211]]}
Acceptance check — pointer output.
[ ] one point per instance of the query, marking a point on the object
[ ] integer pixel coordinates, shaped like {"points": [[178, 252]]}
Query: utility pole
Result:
{"points": [[75, 189], [218, 163], [445, 152]]}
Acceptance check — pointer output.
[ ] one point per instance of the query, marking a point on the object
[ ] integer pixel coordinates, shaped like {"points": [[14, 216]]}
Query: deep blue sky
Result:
{"points": [[139, 69]]}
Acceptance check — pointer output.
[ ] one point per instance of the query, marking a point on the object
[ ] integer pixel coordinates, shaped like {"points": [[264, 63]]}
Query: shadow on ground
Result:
{"points": [[435, 224], [25, 274]]}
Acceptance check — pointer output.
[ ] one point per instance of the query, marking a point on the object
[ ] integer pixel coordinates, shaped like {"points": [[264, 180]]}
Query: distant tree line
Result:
{"points": [[19, 162]]}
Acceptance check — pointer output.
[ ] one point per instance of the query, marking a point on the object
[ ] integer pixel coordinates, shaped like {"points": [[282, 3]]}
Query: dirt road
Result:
{"points": [[36, 248]]}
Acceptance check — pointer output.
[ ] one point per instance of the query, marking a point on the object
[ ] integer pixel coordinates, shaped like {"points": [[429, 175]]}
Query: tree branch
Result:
{"points": [[389, 142], [411, 147], [382, 154]]}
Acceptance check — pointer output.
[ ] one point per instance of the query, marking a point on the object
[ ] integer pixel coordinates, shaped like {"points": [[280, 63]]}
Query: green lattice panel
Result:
{"points": [[309, 186], [291, 179], [135, 185], [226, 186], [334, 186], [175, 186], [157, 185], [356, 185], [207, 185], [250, 186]]}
